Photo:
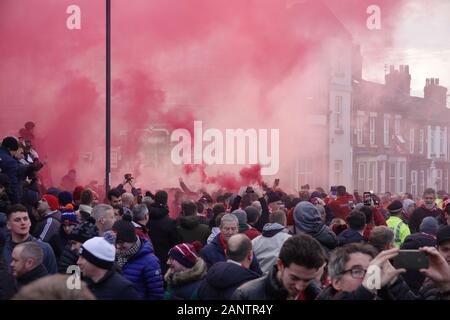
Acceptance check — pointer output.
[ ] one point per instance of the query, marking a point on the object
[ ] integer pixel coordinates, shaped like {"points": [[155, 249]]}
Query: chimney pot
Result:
{"points": [[407, 69], [436, 81]]}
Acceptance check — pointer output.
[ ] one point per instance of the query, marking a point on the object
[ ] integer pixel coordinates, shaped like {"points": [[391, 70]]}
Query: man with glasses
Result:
{"points": [[18, 223], [427, 209], [350, 280]]}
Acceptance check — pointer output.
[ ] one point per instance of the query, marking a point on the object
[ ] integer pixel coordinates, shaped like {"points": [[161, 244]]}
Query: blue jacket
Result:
{"points": [[215, 252], [223, 279], [10, 167], [49, 256], [350, 236], [144, 272]]}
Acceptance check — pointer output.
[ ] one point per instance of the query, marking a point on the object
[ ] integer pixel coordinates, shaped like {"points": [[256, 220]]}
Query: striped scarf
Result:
{"points": [[122, 257]]}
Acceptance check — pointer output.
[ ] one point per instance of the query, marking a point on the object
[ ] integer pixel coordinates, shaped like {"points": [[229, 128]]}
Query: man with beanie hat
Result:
{"points": [[137, 259], [10, 167], [395, 223], [425, 238], [80, 234], [96, 262], [185, 273], [243, 226], [48, 222]]}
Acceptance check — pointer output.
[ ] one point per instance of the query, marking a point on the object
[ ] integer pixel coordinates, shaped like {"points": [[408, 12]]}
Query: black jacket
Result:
{"points": [[415, 278], [113, 287], [350, 236], [418, 215], [163, 233], [269, 288], [223, 279], [7, 282], [32, 275], [68, 258]]}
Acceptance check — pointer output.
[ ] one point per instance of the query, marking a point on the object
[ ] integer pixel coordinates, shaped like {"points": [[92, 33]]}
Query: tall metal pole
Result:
{"points": [[108, 94]]}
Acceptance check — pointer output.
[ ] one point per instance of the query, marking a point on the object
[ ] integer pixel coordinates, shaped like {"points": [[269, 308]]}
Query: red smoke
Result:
{"points": [[245, 64]]}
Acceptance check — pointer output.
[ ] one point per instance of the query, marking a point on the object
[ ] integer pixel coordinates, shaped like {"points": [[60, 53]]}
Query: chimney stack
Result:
{"points": [[435, 93], [399, 81]]}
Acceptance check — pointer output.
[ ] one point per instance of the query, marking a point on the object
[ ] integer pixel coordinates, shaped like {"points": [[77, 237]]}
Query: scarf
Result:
{"points": [[123, 256]]}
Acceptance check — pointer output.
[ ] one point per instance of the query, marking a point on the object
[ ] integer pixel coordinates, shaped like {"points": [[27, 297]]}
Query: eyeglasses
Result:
{"points": [[356, 273]]}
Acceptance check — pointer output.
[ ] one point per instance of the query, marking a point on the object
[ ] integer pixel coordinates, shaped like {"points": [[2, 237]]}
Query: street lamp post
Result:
{"points": [[108, 96]]}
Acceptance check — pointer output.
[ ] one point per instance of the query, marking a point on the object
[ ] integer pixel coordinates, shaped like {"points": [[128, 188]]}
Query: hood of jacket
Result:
{"points": [[158, 211], [189, 222]]}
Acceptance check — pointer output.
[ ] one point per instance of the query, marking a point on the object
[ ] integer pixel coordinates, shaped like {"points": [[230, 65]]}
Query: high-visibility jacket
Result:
{"points": [[400, 229]]}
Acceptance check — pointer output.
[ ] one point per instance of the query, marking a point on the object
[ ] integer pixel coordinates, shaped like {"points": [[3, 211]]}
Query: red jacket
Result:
{"points": [[340, 208]]}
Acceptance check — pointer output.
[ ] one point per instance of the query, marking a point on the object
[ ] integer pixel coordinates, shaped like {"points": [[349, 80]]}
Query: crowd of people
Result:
{"points": [[257, 244]]}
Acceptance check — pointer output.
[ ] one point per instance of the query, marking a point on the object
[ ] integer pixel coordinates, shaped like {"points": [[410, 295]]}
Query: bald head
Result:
{"points": [[239, 248]]}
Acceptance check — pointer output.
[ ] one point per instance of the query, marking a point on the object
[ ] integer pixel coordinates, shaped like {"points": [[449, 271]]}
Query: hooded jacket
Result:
{"points": [[190, 229], [307, 220], [10, 167], [184, 285], [223, 279], [268, 245]]}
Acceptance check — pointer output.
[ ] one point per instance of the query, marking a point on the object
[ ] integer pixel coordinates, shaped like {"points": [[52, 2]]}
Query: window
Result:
{"points": [[372, 129], [397, 125], [359, 129], [414, 182], [338, 110], [339, 69], [445, 183], [421, 182], [386, 131], [421, 140], [439, 179], [361, 176], [441, 141], [372, 178], [411, 140], [392, 177], [401, 176], [338, 172], [432, 151]]}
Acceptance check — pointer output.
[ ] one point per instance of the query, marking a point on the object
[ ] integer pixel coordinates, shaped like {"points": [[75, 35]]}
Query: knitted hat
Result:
{"points": [[64, 197], [185, 254], [69, 218], [395, 207], [443, 235], [83, 232], [99, 252], [52, 201], [124, 229], [241, 215], [429, 225]]}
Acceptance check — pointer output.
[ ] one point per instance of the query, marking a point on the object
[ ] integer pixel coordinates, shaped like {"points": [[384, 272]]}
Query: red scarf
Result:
{"points": [[223, 242]]}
